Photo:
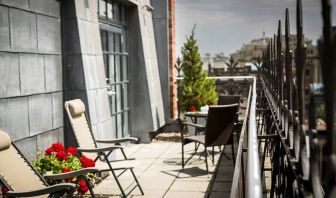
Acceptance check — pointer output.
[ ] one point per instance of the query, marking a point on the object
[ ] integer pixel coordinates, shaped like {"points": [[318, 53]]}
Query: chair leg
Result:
{"points": [[213, 155], [114, 175], [136, 180], [90, 187], [182, 155], [233, 158], [206, 160]]}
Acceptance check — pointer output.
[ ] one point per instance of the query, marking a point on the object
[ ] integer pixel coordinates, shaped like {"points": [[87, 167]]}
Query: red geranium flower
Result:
{"points": [[4, 190], [57, 147], [49, 151], [61, 156], [192, 108], [71, 151], [82, 187], [87, 162]]}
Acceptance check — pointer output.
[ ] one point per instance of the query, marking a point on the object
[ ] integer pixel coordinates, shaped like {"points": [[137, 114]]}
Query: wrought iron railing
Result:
{"points": [[302, 154]]}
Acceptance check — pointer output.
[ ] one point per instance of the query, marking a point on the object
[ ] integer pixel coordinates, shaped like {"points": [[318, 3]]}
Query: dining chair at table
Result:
{"points": [[218, 131]]}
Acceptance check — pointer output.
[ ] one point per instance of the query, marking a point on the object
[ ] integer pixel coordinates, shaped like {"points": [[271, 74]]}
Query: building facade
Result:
{"points": [[114, 55], [217, 61]]}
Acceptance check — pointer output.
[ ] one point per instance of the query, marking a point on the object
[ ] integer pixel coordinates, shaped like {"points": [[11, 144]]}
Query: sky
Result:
{"points": [[225, 25]]}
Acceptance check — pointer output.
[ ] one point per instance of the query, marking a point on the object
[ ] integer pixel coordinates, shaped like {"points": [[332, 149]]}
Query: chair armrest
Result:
{"points": [[66, 175], [127, 139], [42, 191], [193, 125], [98, 150]]}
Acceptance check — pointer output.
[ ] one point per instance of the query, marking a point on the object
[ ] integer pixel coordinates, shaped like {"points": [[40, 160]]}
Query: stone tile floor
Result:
{"points": [[158, 168]]}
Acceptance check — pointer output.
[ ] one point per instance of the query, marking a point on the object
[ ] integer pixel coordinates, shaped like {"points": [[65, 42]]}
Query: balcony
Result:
{"points": [[281, 150]]}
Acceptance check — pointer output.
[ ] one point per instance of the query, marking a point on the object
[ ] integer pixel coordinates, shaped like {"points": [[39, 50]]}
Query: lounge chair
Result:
{"points": [[88, 144], [23, 180], [218, 131]]}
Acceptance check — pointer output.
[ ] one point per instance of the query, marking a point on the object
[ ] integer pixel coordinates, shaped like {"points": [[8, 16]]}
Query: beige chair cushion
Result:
{"points": [[5, 141], [76, 107]]}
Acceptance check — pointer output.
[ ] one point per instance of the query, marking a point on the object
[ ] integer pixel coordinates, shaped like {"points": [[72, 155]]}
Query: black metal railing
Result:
{"points": [[298, 153]]}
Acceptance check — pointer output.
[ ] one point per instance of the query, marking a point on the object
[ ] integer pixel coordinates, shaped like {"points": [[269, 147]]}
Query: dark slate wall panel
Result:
{"points": [[23, 30], [57, 110], [4, 28], [14, 117], [40, 113], [49, 34], [29, 147], [31, 74], [9, 75], [47, 7], [22, 4], [53, 73]]}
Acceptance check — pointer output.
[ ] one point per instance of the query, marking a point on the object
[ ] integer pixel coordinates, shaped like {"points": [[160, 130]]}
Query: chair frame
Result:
{"points": [[199, 127], [103, 156], [53, 190]]}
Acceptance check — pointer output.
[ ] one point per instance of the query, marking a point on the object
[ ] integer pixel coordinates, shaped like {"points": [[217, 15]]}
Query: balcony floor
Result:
{"points": [[158, 168]]}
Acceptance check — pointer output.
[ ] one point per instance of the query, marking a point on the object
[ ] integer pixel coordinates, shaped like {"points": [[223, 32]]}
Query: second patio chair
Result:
{"points": [[23, 180], [218, 131], [88, 144], [232, 99]]}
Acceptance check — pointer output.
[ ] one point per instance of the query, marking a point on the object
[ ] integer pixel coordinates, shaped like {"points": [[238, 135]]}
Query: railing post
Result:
{"points": [[288, 63], [328, 63], [300, 59]]}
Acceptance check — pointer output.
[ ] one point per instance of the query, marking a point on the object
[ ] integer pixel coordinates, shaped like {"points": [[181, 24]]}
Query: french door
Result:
{"points": [[114, 45]]}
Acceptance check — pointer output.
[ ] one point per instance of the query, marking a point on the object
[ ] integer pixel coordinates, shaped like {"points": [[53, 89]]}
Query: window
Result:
{"points": [[109, 10]]}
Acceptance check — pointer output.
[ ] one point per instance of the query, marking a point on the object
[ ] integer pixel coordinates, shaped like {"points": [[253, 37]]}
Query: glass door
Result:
{"points": [[114, 45]]}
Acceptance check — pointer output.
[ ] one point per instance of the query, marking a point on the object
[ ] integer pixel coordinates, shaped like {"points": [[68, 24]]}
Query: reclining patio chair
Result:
{"points": [[23, 180], [218, 131], [88, 144]]}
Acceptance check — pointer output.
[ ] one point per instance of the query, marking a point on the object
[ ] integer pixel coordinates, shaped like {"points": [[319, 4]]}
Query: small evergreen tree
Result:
{"points": [[197, 89]]}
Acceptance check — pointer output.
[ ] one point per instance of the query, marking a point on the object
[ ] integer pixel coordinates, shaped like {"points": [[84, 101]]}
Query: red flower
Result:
{"points": [[4, 190], [192, 108], [82, 187], [71, 151], [65, 170], [61, 156], [87, 162], [49, 151], [57, 147]]}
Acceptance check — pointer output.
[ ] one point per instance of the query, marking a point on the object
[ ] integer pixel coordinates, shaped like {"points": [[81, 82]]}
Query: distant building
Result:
{"points": [[217, 61], [248, 52]]}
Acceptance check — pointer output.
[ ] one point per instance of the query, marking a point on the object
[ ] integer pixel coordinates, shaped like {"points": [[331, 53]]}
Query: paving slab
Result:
{"points": [[159, 171]]}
